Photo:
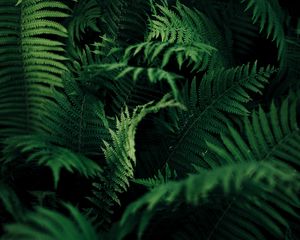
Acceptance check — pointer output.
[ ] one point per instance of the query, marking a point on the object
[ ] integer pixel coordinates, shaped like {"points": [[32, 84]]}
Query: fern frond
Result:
{"points": [[221, 92], [82, 86], [51, 225], [154, 74], [158, 179], [77, 118], [123, 20], [252, 183], [167, 25], [186, 26], [196, 54], [42, 150], [98, 71], [10, 202], [107, 49], [243, 34], [73, 124], [120, 156], [31, 60], [289, 70], [85, 16], [103, 51], [269, 17], [126, 92], [113, 11], [272, 136]]}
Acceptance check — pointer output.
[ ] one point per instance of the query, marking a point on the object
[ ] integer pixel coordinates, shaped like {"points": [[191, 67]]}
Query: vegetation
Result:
{"points": [[135, 119]]}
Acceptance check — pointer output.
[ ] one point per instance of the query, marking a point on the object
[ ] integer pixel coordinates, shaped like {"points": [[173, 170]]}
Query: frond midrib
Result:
{"points": [[282, 142], [210, 106]]}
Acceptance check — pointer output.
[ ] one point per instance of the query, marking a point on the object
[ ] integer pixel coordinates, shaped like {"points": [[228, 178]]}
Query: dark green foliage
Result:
{"points": [[241, 185], [120, 156], [220, 92], [269, 17], [11, 202], [48, 224], [44, 152], [197, 54], [270, 137], [154, 119], [85, 16], [32, 59], [158, 179]]}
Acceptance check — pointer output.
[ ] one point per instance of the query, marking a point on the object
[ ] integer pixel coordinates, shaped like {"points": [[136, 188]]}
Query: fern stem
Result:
{"points": [[25, 80], [81, 124], [283, 140], [220, 219]]}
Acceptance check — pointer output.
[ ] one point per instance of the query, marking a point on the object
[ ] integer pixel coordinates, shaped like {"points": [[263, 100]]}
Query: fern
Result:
{"points": [[289, 69], [186, 26], [113, 12], [220, 92], [107, 48], [120, 156], [158, 179], [85, 16], [273, 138], [126, 92], [243, 34], [124, 21], [77, 117], [269, 137], [71, 130], [196, 54], [85, 104], [251, 182], [10, 201], [269, 17], [30, 63], [175, 27], [44, 152], [97, 73], [154, 75], [48, 224]]}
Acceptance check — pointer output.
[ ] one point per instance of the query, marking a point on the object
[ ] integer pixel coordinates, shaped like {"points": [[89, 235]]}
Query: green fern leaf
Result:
{"points": [[49, 224], [42, 150], [85, 16], [221, 92], [11, 202], [120, 156], [269, 16], [269, 137], [31, 42], [186, 26], [158, 179], [251, 181], [154, 74], [196, 54]]}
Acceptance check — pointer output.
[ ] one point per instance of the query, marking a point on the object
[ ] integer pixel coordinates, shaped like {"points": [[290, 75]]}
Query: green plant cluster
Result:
{"points": [[149, 119]]}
